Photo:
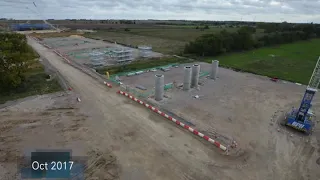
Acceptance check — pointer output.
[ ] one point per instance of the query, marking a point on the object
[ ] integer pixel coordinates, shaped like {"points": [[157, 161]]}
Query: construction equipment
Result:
{"points": [[302, 118], [43, 19], [108, 75]]}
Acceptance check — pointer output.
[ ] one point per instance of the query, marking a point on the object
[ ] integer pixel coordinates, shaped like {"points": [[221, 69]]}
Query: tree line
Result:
{"points": [[246, 38], [15, 58]]}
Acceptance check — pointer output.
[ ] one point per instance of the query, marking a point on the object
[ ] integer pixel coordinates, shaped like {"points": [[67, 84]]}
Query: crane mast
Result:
{"points": [[315, 78], [301, 118], [309, 94]]}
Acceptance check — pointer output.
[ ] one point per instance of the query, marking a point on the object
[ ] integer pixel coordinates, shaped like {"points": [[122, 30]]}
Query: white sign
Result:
{"points": [[297, 125]]}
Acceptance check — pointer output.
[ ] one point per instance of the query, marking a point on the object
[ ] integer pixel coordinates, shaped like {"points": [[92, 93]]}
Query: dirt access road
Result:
{"points": [[148, 147]]}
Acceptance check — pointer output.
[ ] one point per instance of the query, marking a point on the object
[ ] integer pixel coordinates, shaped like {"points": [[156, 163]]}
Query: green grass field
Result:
{"points": [[293, 62], [34, 84]]}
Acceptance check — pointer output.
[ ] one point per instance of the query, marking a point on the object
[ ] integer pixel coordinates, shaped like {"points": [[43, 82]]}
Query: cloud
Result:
{"points": [[260, 10]]}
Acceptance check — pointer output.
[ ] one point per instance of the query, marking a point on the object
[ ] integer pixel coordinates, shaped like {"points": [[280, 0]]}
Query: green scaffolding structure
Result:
{"points": [[136, 92], [85, 54], [141, 93], [168, 86], [112, 77], [204, 74]]}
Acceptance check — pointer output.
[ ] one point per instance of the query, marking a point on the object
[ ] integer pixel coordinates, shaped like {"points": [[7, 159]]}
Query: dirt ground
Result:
{"points": [[144, 146], [53, 122], [245, 108]]}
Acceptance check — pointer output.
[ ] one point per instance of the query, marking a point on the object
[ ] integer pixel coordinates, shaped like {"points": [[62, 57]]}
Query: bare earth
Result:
{"points": [[245, 108], [141, 145], [50, 121]]}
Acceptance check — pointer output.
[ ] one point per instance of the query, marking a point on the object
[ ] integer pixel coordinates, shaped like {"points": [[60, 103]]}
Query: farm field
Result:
{"points": [[166, 46], [162, 39], [181, 34], [292, 62]]}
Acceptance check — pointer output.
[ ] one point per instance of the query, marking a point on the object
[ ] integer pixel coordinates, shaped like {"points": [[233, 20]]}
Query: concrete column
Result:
{"points": [[195, 75], [159, 87], [214, 69], [187, 78]]}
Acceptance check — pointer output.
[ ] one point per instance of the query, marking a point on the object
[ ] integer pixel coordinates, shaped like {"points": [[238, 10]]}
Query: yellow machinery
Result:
{"points": [[107, 74]]}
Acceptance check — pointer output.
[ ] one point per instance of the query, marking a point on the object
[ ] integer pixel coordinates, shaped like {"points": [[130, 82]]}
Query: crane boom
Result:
{"points": [[315, 78], [52, 26], [44, 20]]}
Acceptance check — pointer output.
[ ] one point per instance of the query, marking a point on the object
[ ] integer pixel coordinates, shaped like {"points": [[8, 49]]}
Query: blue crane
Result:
{"points": [[302, 118]]}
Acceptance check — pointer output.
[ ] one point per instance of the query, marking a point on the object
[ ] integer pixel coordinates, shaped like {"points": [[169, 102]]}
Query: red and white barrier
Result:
{"points": [[107, 84], [59, 54], [216, 143], [45, 45]]}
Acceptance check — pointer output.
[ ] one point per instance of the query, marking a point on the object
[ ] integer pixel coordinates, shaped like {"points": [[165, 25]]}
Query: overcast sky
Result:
{"points": [[220, 10]]}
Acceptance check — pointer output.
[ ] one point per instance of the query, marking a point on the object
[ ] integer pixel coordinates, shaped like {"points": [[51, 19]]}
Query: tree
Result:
{"points": [[215, 44], [15, 58], [243, 39]]}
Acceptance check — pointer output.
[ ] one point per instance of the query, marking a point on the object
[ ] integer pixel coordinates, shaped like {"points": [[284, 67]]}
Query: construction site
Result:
{"points": [[195, 120], [214, 102], [188, 121], [95, 53], [178, 121]]}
